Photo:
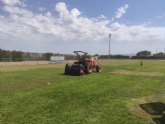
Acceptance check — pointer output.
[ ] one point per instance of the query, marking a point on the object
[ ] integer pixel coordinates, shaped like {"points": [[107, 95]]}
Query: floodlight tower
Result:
{"points": [[109, 45]]}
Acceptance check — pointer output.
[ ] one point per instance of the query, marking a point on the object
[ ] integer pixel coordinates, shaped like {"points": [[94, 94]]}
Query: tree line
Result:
{"points": [[145, 54], [148, 55], [7, 55]]}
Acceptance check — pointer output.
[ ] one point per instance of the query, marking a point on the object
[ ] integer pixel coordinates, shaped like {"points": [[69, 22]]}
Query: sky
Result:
{"points": [[63, 26]]}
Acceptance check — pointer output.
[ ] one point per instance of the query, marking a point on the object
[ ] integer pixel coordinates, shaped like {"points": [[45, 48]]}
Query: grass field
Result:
{"points": [[41, 94]]}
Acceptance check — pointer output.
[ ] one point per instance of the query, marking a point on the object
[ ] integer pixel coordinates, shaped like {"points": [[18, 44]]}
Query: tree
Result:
{"points": [[161, 54], [16, 55], [96, 55], [144, 53], [4, 55], [48, 55]]}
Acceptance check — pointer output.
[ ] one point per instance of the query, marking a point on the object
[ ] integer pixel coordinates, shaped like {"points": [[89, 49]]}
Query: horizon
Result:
{"points": [[126, 54], [65, 26]]}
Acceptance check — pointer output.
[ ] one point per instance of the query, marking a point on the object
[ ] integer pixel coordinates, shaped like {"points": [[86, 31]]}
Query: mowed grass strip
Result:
{"points": [[42, 94]]}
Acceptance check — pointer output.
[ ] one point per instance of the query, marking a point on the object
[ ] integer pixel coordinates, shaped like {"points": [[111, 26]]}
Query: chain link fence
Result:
{"points": [[20, 61]]}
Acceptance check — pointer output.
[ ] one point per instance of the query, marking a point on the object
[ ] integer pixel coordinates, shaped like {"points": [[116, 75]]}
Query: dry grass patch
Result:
{"points": [[134, 105], [127, 72]]}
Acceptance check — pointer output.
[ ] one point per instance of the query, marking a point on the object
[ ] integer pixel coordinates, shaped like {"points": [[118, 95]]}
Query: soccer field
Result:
{"points": [[123, 93]]}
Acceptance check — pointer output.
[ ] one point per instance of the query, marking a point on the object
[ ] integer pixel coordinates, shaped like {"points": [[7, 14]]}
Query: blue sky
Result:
{"points": [[67, 25]]}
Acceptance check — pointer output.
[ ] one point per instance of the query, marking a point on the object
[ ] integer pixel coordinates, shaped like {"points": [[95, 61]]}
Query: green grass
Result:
{"points": [[41, 94]]}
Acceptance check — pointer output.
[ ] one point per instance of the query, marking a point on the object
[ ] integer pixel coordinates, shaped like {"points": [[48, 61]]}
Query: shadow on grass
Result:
{"points": [[156, 109], [74, 75]]}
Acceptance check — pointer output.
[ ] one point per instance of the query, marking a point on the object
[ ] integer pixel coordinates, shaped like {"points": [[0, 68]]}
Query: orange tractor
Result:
{"points": [[84, 64]]}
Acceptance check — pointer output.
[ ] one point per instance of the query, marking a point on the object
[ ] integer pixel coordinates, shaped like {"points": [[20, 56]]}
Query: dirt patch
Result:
{"points": [[145, 107], [127, 72], [134, 107]]}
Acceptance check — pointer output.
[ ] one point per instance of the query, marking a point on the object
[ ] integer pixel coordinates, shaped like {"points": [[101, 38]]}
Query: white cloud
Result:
{"points": [[62, 9], [69, 29], [11, 2], [137, 33], [75, 12], [13, 10], [121, 11], [102, 17], [160, 16], [41, 9]]}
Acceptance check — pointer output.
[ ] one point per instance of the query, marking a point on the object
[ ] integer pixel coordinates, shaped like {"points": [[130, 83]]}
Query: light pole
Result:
{"points": [[109, 46]]}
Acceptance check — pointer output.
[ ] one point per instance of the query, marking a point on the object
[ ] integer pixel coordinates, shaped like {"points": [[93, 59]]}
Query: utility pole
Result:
{"points": [[109, 46], [10, 57], [156, 50]]}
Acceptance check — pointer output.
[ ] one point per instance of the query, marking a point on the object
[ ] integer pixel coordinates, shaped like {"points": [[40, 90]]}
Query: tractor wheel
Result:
{"points": [[77, 69], [88, 68], [82, 72], [98, 68], [67, 67]]}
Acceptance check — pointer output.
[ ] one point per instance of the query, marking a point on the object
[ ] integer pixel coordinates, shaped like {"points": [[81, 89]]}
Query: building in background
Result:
{"points": [[57, 59]]}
